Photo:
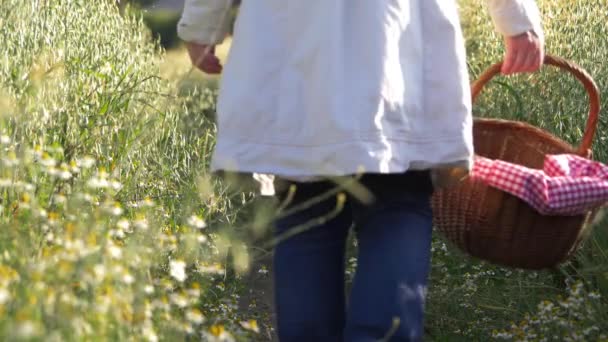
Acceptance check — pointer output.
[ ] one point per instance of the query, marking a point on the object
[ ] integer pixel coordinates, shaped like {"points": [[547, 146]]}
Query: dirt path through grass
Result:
{"points": [[257, 298]]}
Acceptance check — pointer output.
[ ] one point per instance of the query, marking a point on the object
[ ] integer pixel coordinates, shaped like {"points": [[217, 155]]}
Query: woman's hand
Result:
{"points": [[525, 53], [203, 57]]}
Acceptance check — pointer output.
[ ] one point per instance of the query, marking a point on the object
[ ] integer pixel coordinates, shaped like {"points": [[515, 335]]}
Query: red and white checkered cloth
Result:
{"points": [[567, 184]]}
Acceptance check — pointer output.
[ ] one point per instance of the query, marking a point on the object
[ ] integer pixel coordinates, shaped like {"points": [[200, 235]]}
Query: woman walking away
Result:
{"points": [[315, 90]]}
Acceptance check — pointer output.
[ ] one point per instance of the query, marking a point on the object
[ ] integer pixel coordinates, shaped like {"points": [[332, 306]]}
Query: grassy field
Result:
{"points": [[112, 229]]}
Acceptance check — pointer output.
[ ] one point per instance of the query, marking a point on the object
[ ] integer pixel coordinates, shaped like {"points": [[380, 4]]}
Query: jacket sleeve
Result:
{"points": [[204, 21], [514, 17]]}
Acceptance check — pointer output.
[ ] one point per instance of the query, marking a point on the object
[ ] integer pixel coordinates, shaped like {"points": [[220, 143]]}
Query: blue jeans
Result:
{"points": [[388, 292]]}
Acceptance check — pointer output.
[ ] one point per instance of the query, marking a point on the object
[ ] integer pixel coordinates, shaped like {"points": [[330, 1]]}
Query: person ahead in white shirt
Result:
{"points": [[315, 89]]}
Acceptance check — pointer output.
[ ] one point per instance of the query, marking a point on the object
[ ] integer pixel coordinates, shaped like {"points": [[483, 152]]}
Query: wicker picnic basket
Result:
{"points": [[497, 227]]}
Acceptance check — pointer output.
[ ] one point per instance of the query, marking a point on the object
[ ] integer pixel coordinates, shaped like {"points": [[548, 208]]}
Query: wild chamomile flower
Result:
{"points": [[252, 325], [47, 160], [10, 160], [64, 171], [195, 316], [98, 183], [123, 224], [113, 209], [55, 149], [196, 222], [177, 270], [149, 334], [167, 285], [99, 270], [73, 167], [37, 151], [168, 241], [81, 327], [502, 335], [42, 213], [145, 203], [114, 251], [27, 329], [202, 238], [77, 249], [59, 199], [103, 304], [50, 237], [117, 233], [149, 289], [102, 181], [194, 292], [53, 218], [214, 268], [52, 171], [141, 223], [24, 186], [8, 275], [5, 139], [186, 327], [217, 333], [5, 296], [115, 185], [85, 162], [127, 278], [179, 300], [5, 183], [161, 304]]}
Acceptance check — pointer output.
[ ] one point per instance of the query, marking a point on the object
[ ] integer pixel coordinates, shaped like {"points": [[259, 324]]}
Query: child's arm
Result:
{"points": [[520, 23], [514, 17], [204, 23]]}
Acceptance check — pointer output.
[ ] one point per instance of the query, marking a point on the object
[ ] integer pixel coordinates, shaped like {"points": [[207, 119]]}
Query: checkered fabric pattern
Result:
{"points": [[567, 184]]}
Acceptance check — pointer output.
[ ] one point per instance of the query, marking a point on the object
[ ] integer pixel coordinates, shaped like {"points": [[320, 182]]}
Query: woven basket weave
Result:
{"points": [[497, 227]]}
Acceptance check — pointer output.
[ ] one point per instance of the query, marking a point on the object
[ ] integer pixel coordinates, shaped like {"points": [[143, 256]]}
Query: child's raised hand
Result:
{"points": [[525, 53], [203, 57]]}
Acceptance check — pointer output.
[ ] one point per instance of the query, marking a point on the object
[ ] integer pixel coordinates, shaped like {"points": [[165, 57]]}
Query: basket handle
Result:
{"points": [[584, 148]]}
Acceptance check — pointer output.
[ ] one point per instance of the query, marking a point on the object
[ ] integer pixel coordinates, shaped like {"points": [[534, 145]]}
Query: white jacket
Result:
{"points": [[336, 87]]}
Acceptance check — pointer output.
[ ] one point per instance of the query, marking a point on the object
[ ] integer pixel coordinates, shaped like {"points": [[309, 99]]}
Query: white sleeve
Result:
{"points": [[204, 21], [514, 17]]}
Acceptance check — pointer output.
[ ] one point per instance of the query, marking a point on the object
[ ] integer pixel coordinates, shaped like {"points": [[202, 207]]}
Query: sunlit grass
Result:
{"points": [[110, 228], [475, 301]]}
